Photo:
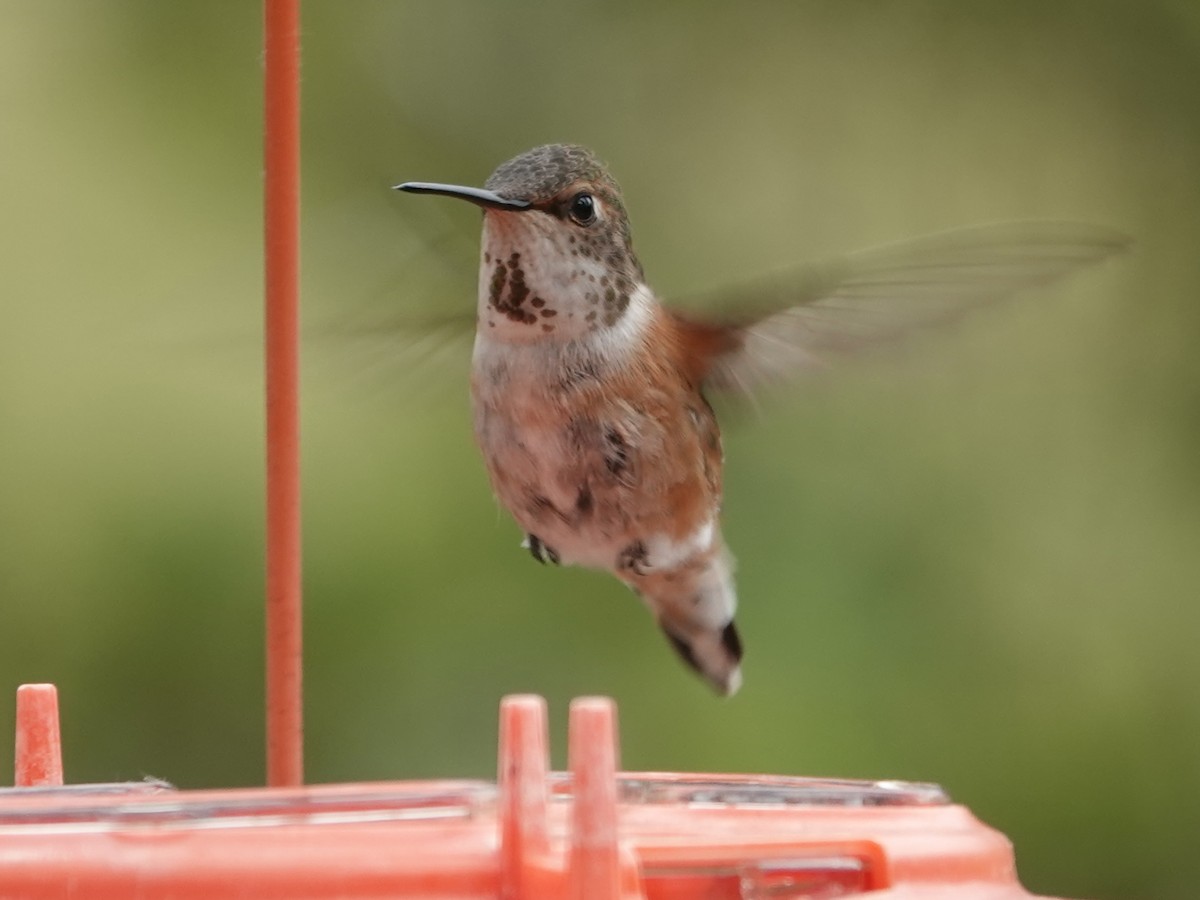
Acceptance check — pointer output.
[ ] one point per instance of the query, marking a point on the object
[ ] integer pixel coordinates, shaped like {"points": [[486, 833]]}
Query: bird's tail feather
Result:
{"points": [[694, 602], [715, 654]]}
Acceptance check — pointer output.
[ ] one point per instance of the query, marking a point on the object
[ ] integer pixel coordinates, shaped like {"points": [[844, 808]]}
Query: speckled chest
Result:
{"points": [[561, 455], [590, 454]]}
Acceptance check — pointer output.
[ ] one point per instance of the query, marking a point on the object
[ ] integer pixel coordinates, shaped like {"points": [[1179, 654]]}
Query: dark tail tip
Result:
{"points": [[713, 658], [684, 649], [732, 641]]}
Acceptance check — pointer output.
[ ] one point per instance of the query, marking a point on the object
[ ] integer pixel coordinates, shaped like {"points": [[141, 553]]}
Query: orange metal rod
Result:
{"points": [[281, 151]]}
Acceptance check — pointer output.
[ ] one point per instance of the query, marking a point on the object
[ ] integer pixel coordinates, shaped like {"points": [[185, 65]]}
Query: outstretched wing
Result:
{"points": [[802, 319], [370, 348]]}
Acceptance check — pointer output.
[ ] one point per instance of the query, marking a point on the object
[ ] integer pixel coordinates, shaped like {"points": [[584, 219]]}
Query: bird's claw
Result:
{"points": [[539, 550]]}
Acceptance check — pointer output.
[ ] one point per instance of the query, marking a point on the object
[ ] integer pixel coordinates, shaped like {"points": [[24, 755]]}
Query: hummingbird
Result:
{"points": [[590, 396]]}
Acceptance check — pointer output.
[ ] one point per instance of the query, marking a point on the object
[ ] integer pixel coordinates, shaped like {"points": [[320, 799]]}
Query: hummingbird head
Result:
{"points": [[557, 259]]}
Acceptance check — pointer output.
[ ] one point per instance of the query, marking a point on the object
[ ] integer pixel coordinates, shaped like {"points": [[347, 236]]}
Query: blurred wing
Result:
{"points": [[424, 353], [802, 319]]}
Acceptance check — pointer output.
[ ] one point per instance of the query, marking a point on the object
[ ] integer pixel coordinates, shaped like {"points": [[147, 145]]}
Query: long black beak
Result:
{"points": [[478, 196]]}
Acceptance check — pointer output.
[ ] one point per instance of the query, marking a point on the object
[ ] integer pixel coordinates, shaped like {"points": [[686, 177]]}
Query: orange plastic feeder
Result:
{"points": [[592, 833]]}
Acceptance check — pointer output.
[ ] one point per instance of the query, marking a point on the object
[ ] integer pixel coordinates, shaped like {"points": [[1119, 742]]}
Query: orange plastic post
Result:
{"points": [[281, 152], [38, 759], [595, 869], [523, 766]]}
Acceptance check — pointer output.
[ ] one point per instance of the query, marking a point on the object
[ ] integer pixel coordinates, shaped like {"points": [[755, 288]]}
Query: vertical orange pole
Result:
{"points": [[281, 213]]}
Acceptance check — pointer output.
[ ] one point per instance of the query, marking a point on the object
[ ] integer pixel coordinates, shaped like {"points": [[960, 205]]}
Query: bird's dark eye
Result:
{"points": [[583, 209]]}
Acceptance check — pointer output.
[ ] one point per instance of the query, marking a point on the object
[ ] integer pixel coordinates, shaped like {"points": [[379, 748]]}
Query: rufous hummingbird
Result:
{"points": [[589, 394]]}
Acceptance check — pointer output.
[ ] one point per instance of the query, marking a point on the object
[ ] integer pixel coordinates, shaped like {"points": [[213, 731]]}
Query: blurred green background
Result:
{"points": [[976, 564]]}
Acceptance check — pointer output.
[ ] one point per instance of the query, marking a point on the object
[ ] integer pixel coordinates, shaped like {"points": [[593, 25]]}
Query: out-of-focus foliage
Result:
{"points": [[976, 563]]}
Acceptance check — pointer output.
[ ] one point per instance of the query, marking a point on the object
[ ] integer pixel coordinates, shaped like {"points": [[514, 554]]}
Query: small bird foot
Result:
{"points": [[538, 550], [634, 558]]}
